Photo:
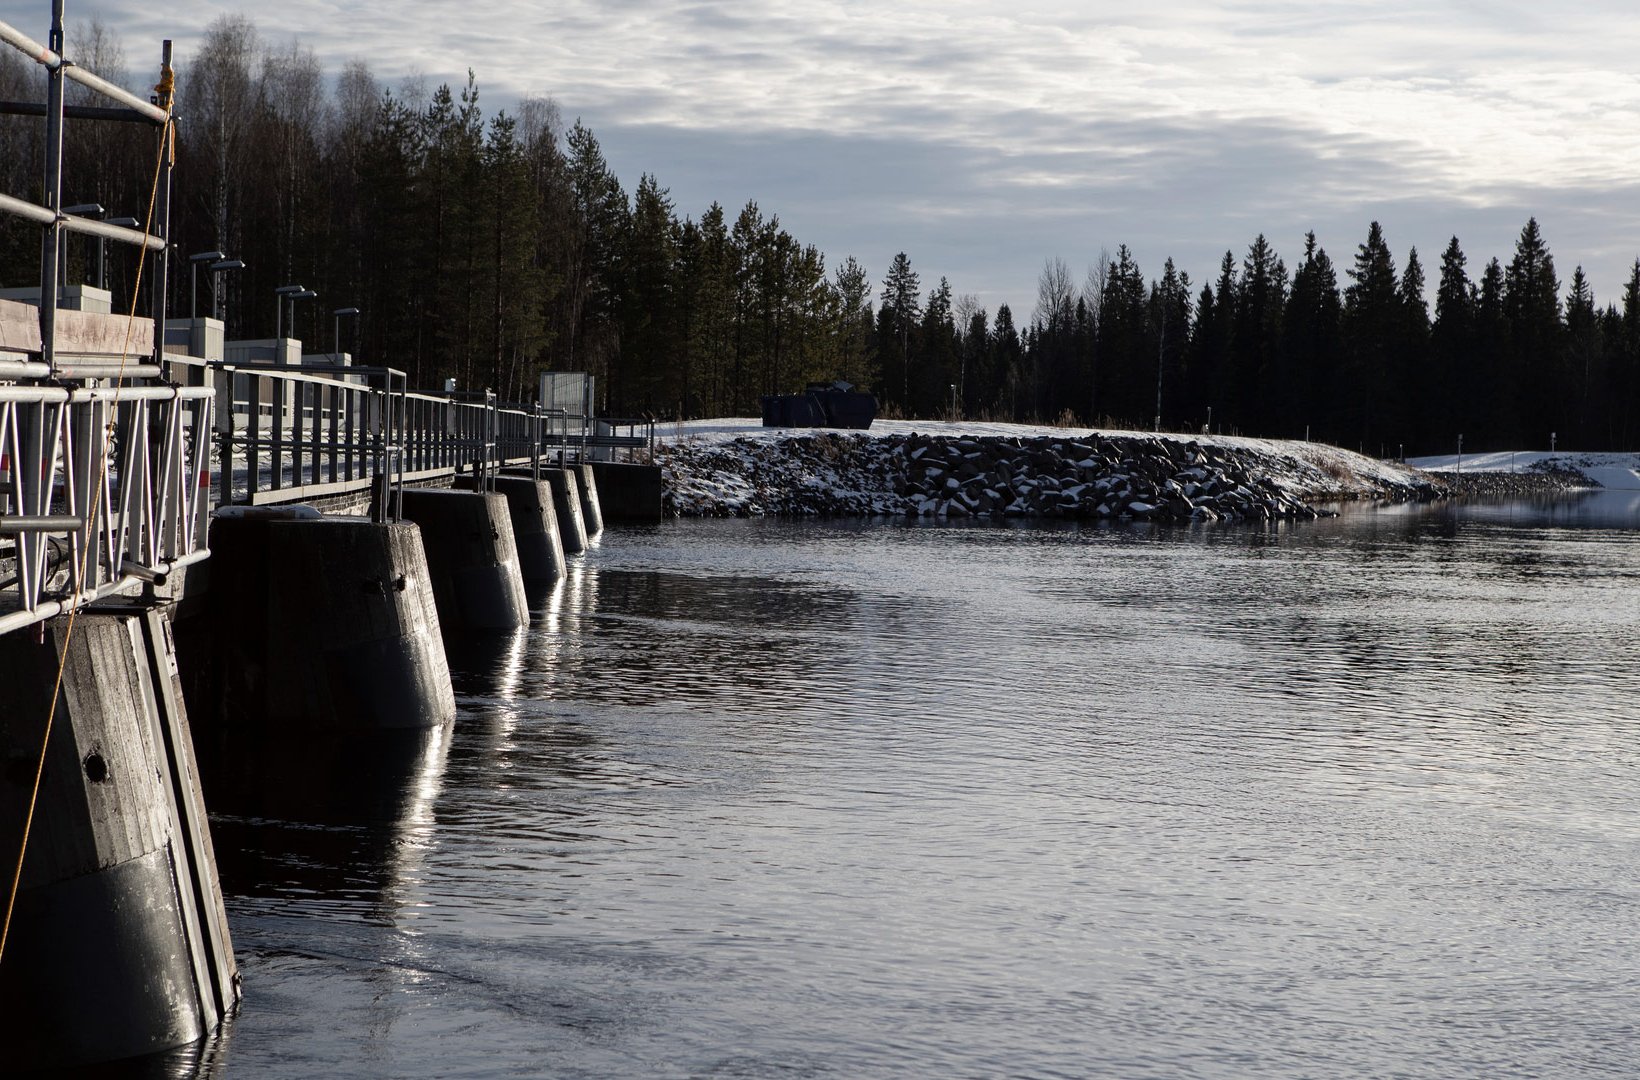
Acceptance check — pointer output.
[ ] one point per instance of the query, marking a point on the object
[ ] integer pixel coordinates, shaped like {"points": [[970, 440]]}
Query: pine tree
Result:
{"points": [[937, 361], [1624, 366], [1454, 367], [646, 380], [1007, 359], [1583, 355], [1127, 348], [898, 309], [1498, 424], [1536, 354], [1372, 321], [854, 359], [1170, 314], [1303, 389], [1404, 413], [601, 217]]}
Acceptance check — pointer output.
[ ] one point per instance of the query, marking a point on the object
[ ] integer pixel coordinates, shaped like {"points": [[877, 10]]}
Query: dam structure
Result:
{"points": [[222, 564]]}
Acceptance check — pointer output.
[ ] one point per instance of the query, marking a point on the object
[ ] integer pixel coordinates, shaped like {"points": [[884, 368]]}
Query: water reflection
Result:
{"points": [[824, 798]]}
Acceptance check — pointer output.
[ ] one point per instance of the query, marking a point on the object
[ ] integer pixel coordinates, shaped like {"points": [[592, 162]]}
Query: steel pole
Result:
{"points": [[162, 219], [51, 252]]}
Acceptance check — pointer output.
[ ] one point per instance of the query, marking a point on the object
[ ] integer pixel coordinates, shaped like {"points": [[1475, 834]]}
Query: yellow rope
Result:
{"points": [[167, 134]]}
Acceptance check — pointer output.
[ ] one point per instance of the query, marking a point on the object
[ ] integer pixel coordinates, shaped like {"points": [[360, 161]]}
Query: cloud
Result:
{"points": [[982, 136]]}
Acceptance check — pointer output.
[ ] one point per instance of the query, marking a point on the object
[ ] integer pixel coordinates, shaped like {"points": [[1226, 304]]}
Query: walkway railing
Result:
{"points": [[288, 433], [101, 491]]}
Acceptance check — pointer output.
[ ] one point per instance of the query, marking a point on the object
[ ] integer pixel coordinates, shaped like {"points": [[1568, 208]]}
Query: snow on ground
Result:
{"points": [[1619, 472]]}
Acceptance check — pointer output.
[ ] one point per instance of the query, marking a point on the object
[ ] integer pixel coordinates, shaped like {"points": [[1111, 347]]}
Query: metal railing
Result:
{"points": [[288, 433], [292, 434], [101, 491]]}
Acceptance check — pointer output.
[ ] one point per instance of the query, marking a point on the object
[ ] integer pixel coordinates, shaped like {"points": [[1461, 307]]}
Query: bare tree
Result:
{"points": [[1093, 286], [1055, 295]]}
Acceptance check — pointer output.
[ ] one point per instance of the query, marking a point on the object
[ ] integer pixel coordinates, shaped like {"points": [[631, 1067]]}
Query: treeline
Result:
{"points": [[1505, 359], [483, 250], [488, 249]]}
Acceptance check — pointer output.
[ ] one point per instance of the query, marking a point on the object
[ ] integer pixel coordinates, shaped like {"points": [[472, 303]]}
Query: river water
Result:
{"points": [[764, 799]]}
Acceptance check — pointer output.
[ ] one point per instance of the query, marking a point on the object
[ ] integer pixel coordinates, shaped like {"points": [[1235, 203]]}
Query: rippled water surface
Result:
{"points": [[751, 798]]}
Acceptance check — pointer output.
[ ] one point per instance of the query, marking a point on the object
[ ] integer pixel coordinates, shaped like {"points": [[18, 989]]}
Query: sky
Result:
{"points": [[985, 137]]}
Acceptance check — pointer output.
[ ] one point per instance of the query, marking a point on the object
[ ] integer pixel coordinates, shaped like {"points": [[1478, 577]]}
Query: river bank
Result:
{"points": [[732, 468]]}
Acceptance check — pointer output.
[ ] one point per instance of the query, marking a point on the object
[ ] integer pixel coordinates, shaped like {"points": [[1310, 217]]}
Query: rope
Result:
{"points": [[166, 144]]}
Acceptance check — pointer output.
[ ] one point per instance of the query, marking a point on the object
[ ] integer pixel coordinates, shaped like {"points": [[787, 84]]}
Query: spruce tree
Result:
{"points": [[1372, 324], [1309, 346], [1454, 365], [1536, 356], [1582, 404], [899, 307]]}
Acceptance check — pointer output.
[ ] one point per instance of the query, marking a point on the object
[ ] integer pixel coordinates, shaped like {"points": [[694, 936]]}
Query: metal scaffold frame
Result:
{"points": [[151, 508], [103, 488]]}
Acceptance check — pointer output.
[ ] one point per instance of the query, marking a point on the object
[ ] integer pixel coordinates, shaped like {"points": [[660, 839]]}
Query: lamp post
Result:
{"points": [[216, 270], [279, 295], [305, 294], [193, 278], [352, 312]]}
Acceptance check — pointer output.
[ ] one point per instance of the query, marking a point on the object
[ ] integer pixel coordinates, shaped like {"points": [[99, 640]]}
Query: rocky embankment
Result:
{"points": [[1497, 485], [1095, 477]]}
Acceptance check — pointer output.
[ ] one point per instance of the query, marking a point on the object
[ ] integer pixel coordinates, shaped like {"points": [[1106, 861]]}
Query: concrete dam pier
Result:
{"points": [[118, 944]]}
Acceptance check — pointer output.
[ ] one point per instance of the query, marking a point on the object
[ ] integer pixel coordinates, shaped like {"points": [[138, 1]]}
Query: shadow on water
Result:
{"points": [[203, 1060]]}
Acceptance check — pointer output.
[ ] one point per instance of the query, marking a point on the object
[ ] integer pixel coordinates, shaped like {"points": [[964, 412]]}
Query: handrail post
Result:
{"points": [[403, 424], [51, 252], [535, 443], [162, 225], [224, 429]]}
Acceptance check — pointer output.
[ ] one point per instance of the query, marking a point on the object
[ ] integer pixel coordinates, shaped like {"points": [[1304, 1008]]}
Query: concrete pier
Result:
{"points": [[592, 515], [317, 624], [566, 501], [118, 945], [628, 494], [535, 527], [472, 557]]}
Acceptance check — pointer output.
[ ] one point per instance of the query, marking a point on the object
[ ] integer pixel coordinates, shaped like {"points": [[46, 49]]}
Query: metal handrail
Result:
{"points": [[101, 492], [288, 433]]}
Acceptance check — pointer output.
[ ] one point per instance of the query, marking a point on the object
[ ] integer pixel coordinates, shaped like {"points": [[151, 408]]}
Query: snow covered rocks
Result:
{"points": [[1095, 477], [812, 474]]}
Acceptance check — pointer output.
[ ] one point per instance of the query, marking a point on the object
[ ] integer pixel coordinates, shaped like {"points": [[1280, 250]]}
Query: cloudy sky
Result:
{"points": [[983, 137]]}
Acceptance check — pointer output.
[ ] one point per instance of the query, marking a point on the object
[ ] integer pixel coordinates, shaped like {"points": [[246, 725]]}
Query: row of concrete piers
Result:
{"points": [[343, 624], [313, 652]]}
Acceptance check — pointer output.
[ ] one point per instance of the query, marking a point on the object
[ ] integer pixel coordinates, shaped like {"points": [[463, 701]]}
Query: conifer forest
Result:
{"points": [[486, 246]]}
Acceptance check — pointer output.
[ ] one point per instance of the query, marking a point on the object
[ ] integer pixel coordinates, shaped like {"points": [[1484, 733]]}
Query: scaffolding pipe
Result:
{"points": [[52, 60], [53, 181], [42, 216]]}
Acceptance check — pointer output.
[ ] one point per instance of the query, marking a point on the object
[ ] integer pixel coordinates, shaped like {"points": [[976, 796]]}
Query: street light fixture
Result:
{"points": [[279, 307], [352, 312], [216, 270], [305, 294], [193, 278]]}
